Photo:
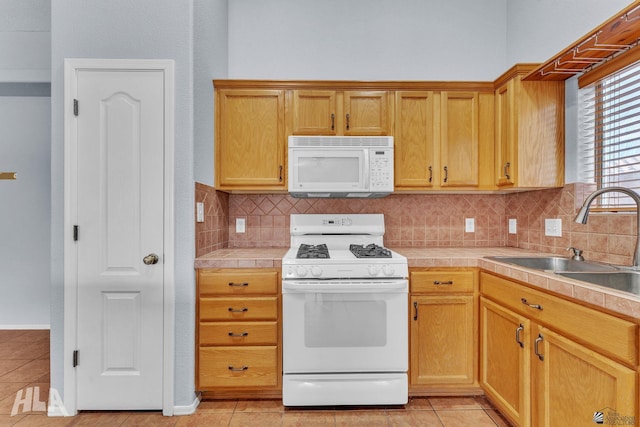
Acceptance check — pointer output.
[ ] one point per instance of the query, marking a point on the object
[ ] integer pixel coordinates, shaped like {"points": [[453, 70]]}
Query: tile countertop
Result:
{"points": [[613, 300]]}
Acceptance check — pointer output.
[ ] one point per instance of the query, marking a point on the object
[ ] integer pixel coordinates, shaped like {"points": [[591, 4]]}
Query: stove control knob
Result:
{"points": [[316, 271], [389, 270], [373, 270], [301, 271]]}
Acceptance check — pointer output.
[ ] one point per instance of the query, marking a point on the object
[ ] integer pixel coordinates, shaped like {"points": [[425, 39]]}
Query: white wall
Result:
{"points": [[539, 29], [367, 40], [25, 41], [25, 119], [25, 211], [210, 61]]}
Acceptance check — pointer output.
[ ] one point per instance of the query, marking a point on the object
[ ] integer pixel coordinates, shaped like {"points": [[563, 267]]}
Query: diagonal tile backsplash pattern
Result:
{"points": [[427, 220]]}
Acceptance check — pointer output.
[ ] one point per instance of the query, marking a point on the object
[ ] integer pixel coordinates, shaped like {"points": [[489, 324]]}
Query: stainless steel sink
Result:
{"points": [[628, 281], [553, 263]]}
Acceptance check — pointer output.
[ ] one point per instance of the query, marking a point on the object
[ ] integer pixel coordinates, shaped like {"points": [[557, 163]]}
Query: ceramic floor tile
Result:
{"points": [[361, 418], [9, 390], [205, 419], [465, 417], [445, 403], [269, 405], [262, 419], [30, 372], [217, 405], [100, 418], [414, 418], [149, 419], [497, 418], [308, 418], [8, 420], [44, 421], [30, 336], [419, 403], [9, 365]]}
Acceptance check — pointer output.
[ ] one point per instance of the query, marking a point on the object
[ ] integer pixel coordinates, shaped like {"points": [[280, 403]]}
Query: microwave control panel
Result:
{"points": [[381, 169]]}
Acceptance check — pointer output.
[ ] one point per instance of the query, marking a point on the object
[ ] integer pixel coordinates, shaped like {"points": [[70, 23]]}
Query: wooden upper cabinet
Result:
{"points": [[529, 149], [459, 133], [330, 112], [314, 112], [414, 140], [250, 139], [366, 113]]}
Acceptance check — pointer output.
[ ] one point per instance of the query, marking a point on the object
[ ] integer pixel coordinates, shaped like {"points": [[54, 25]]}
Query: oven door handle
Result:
{"points": [[343, 287]]}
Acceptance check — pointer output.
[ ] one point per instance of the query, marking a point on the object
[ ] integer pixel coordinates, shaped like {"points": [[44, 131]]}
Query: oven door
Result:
{"points": [[345, 326]]}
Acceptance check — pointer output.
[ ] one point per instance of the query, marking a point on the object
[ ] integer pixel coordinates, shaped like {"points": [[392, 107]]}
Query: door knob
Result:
{"points": [[150, 259]]}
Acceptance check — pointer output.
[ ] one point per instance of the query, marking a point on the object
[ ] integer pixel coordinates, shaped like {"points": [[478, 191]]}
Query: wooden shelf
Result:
{"points": [[618, 35]]}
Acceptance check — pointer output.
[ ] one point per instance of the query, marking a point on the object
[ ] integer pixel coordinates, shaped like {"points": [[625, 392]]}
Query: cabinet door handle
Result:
{"points": [[506, 170], [536, 348], [448, 282], [235, 310], [430, 174], [234, 335], [415, 306], [238, 284], [333, 121], [536, 306], [280, 173], [243, 368], [446, 174], [347, 121], [518, 330]]}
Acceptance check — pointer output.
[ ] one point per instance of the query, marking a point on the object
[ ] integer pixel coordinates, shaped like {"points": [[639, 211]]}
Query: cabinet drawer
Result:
{"points": [[255, 308], [238, 333], [607, 334], [238, 367], [245, 282], [441, 281]]}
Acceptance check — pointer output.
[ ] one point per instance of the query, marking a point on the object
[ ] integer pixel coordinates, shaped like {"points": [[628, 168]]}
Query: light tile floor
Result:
{"points": [[24, 364]]}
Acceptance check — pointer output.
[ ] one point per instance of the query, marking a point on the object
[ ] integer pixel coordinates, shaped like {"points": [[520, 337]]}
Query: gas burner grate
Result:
{"points": [[370, 251], [313, 251]]}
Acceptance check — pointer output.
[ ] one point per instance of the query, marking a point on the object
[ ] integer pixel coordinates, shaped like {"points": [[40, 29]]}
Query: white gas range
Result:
{"points": [[345, 308]]}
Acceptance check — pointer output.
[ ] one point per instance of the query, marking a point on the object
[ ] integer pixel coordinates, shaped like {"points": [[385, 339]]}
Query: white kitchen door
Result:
{"points": [[120, 240]]}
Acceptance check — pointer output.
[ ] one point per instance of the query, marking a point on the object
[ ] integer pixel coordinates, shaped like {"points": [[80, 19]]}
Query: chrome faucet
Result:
{"points": [[583, 213], [577, 254]]}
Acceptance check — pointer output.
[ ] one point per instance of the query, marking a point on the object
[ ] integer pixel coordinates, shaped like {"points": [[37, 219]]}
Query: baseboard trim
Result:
{"points": [[188, 409], [25, 327]]}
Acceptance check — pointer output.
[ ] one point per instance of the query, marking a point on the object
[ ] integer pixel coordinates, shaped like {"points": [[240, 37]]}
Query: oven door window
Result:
{"points": [[344, 332], [340, 323]]}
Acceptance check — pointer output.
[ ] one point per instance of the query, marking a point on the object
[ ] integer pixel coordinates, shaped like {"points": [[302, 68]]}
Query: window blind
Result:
{"points": [[609, 135]]}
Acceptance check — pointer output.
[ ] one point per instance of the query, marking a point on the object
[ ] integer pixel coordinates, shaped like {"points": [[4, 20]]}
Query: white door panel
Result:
{"points": [[120, 139]]}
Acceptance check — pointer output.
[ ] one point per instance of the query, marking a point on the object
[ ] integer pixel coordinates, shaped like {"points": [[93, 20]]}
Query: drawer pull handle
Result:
{"points": [[506, 170], [234, 335], [518, 340], [235, 310], [535, 347], [448, 282], [238, 284], [415, 306], [232, 368], [536, 306]]}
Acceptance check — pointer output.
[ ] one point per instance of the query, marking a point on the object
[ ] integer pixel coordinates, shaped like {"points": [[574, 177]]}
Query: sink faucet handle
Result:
{"points": [[577, 253]]}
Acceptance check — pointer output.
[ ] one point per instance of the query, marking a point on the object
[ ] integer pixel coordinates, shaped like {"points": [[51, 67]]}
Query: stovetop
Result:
{"points": [[340, 246]]}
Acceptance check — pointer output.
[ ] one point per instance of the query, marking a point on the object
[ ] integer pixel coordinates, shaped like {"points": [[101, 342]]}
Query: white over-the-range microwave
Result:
{"points": [[340, 166]]}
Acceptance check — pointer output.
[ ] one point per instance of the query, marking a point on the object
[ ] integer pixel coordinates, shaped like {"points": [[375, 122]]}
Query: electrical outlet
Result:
{"points": [[469, 225], [513, 226], [240, 225], [553, 227], [199, 212]]}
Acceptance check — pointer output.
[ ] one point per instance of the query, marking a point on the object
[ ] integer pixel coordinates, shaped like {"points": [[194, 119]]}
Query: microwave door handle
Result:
{"points": [[366, 170]]}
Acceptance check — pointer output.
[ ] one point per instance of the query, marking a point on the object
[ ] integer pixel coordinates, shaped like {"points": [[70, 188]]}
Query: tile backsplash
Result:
{"points": [[427, 220]]}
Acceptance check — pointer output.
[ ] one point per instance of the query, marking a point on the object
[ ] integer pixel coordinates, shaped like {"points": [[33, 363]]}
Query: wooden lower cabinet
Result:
{"points": [[504, 360], [238, 333], [443, 332], [546, 361]]}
